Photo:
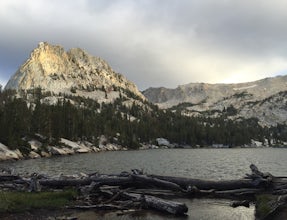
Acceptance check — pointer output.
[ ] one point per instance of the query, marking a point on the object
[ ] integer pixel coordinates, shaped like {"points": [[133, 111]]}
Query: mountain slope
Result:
{"points": [[53, 69], [252, 99]]}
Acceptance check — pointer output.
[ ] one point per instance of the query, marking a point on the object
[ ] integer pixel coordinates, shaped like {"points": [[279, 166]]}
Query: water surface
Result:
{"points": [[195, 163]]}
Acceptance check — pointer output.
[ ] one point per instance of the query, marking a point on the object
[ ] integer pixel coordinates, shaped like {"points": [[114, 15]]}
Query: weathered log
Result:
{"points": [[259, 177], [257, 172], [106, 180], [279, 192], [171, 207], [238, 192], [127, 212], [8, 177], [158, 192], [193, 190], [278, 186], [90, 188], [34, 184], [113, 180], [100, 207], [157, 182], [10, 186], [209, 184], [63, 183], [244, 203]]}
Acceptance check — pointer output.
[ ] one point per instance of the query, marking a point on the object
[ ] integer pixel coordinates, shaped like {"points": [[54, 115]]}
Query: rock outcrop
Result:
{"points": [[6, 154], [74, 72], [265, 99]]}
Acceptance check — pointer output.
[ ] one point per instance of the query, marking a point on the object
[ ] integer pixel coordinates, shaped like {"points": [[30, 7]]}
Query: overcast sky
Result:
{"points": [[154, 42]]}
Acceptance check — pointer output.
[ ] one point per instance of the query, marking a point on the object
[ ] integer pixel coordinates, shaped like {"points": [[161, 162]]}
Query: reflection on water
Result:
{"points": [[199, 209], [196, 163]]}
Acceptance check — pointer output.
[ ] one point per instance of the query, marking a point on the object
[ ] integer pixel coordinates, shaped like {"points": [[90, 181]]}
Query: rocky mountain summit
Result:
{"points": [[264, 99], [73, 72]]}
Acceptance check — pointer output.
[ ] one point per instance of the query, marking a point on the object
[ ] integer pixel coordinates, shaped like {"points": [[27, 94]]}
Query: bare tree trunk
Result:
{"points": [[171, 207]]}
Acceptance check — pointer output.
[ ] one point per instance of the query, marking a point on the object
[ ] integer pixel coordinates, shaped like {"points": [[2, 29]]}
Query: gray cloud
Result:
{"points": [[154, 42]]}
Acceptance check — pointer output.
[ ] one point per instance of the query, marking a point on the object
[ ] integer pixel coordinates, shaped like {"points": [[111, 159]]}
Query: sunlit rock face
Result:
{"points": [[53, 69], [7, 154], [264, 99]]}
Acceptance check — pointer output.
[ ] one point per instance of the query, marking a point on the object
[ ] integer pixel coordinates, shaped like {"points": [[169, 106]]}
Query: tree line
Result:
{"points": [[78, 118]]}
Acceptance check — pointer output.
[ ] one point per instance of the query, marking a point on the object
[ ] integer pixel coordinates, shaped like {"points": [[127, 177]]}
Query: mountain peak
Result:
{"points": [[51, 68]]}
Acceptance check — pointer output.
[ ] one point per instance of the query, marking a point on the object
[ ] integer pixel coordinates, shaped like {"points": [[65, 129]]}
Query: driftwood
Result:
{"points": [[8, 177], [136, 190], [99, 207], [244, 203], [210, 184], [171, 207], [157, 182], [101, 180]]}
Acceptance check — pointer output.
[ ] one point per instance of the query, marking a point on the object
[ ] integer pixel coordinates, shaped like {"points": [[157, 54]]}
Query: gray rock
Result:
{"points": [[74, 72], [264, 99]]}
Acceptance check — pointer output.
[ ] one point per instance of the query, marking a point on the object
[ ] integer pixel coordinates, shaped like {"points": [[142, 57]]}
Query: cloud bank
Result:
{"points": [[154, 42]]}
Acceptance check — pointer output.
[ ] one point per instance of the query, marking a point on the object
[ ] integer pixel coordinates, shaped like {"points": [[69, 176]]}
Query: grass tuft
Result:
{"points": [[24, 201], [263, 205]]}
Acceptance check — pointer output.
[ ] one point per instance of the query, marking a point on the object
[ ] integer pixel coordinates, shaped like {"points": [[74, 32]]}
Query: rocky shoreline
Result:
{"points": [[67, 147]]}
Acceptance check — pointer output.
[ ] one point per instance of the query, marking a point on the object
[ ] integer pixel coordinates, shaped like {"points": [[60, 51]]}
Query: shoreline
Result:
{"points": [[173, 195], [56, 151]]}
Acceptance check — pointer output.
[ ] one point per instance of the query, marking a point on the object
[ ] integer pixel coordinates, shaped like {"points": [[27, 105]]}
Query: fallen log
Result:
{"points": [[244, 203], [209, 184], [99, 207], [171, 207], [158, 192], [8, 177], [259, 180], [279, 192], [113, 180], [63, 183], [127, 212], [106, 180], [238, 192], [157, 182]]}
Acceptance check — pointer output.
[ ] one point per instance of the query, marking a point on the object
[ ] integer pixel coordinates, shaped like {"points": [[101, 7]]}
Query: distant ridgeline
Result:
{"points": [[57, 96], [265, 99]]}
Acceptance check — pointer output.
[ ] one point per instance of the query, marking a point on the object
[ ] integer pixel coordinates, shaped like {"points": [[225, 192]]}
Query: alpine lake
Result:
{"points": [[206, 163]]}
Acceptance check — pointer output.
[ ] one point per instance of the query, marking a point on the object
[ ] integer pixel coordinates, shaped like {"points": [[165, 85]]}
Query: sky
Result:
{"points": [[154, 42]]}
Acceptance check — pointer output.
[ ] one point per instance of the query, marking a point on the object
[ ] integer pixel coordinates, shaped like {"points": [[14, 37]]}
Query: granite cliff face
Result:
{"points": [[74, 72], [264, 99]]}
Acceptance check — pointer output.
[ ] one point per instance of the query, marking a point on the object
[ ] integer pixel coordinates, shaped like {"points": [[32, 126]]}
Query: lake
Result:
{"points": [[196, 163]]}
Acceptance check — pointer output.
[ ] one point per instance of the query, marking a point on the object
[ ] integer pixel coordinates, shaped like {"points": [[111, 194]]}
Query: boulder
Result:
{"points": [[256, 143], [162, 142], [45, 154], [19, 154], [96, 149], [34, 155], [35, 145], [60, 151], [85, 147], [76, 147], [6, 154]]}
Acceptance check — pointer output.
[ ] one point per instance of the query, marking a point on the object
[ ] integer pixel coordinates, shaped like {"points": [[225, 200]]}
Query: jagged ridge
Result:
{"points": [[246, 98], [53, 69]]}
